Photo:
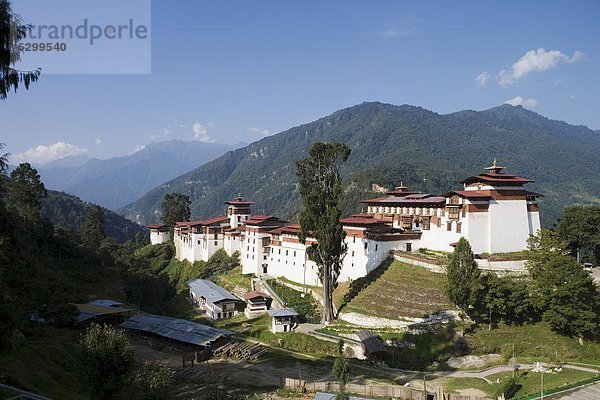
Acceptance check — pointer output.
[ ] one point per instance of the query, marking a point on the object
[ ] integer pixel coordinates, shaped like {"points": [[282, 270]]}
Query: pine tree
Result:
{"points": [[463, 276], [25, 191], [175, 207], [341, 371], [320, 186], [92, 229]]}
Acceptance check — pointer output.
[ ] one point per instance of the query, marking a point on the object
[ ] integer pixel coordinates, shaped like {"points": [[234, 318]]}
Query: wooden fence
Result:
{"points": [[393, 391]]}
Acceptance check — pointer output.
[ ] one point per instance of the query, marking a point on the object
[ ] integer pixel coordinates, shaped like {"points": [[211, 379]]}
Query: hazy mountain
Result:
{"points": [[118, 181], [65, 209], [390, 144]]}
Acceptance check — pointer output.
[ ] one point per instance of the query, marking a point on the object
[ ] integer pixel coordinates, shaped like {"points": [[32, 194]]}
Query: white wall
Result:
{"points": [[509, 226], [157, 237], [294, 266]]}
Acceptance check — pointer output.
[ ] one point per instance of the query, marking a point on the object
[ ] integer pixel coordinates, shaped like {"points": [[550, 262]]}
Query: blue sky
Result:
{"points": [[236, 71]]}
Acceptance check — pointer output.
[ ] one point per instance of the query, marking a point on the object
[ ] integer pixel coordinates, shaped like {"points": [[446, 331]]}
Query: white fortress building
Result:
{"points": [[159, 233], [493, 212]]}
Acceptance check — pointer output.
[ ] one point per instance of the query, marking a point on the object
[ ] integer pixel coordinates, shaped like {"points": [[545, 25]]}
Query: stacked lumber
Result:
{"points": [[241, 350]]}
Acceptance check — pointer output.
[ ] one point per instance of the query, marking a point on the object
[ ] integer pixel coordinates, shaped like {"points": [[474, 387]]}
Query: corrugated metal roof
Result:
{"points": [[373, 344], [210, 291], [176, 329], [105, 303], [286, 312]]}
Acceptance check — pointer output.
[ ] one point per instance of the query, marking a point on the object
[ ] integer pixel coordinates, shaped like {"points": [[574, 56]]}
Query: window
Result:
{"points": [[425, 224], [247, 248], [216, 236], [449, 226], [279, 251], [253, 256], [408, 246], [416, 223], [458, 227], [366, 245], [354, 239], [294, 253], [216, 243], [353, 254], [198, 242], [287, 252], [464, 212], [376, 247]]}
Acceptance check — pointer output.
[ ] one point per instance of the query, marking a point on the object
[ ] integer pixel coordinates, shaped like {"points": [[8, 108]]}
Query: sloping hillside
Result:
{"points": [[64, 209], [427, 151], [118, 181]]}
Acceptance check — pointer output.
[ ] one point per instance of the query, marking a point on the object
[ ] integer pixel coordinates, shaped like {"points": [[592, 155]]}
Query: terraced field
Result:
{"points": [[403, 291]]}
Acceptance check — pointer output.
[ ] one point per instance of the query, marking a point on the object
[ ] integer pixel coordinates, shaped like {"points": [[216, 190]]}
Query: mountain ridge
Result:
{"points": [[429, 151], [117, 181]]}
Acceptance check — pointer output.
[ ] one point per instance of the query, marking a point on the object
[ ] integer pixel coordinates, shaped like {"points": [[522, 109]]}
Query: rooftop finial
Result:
{"points": [[495, 167]]}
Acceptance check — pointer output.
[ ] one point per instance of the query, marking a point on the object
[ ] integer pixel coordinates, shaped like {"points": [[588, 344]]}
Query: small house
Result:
{"points": [[283, 320], [373, 347], [211, 298], [256, 303], [159, 233]]}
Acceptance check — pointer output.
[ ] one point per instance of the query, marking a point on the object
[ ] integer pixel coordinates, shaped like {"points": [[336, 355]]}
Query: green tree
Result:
{"points": [[580, 228], [341, 371], [320, 186], [12, 31], [462, 274], [564, 293], [175, 207], [92, 229], [3, 160], [25, 191], [107, 360], [153, 381]]}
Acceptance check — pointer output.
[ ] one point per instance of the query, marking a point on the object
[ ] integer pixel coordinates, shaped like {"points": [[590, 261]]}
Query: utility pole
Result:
{"points": [[542, 393]]}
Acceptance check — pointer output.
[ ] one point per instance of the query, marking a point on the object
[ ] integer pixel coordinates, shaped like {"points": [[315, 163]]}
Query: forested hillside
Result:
{"points": [[64, 209], [425, 150]]}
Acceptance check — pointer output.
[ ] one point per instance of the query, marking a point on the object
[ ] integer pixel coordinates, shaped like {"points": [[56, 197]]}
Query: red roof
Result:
{"points": [[255, 294], [158, 226], [493, 177], [474, 194], [206, 222], [240, 202], [361, 221], [293, 229], [407, 200], [261, 220]]}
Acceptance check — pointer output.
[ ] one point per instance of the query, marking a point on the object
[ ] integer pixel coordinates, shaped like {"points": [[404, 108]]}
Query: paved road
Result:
{"points": [[591, 392]]}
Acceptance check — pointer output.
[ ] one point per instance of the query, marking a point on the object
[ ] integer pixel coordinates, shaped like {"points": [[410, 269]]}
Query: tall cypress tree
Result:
{"points": [[175, 207], [92, 230], [320, 185], [463, 276]]}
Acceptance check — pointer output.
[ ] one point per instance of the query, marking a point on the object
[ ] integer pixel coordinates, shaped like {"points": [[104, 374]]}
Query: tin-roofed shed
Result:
{"points": [[211, 298], [372, 344], [179, 330]]}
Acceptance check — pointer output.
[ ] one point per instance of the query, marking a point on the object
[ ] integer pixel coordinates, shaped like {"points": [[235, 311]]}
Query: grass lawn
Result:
{"points": [[528, 382], [402, 291], [230, 279], [532, 343], [258, 328], [45, 362]]}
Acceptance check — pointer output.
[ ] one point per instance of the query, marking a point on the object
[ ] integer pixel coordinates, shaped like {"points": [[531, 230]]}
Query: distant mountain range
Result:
{"points": [[392, 144], [118, 181]]}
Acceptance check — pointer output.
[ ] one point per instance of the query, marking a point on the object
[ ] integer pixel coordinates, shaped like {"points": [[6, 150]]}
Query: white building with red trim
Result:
{"points": [[493, 211], [159, 233]]}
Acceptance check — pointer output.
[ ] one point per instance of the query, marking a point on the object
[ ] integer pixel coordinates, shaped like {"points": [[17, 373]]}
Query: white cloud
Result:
{"points": [[482, 78], [161, 135], [98, 141], [201, 132], [535, 61], [262, 132], [521, 101], [44, 154], [139, 147]]}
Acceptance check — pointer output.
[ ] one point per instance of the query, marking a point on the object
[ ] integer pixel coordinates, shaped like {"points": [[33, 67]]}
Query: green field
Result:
{"points": [[532, 343], [403, 291], [527, 382]]}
